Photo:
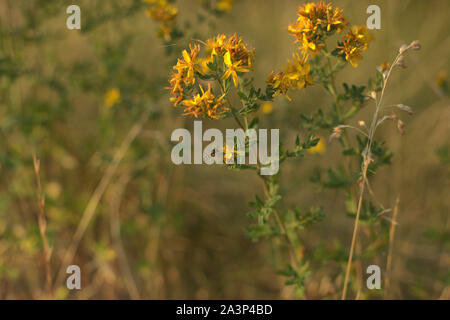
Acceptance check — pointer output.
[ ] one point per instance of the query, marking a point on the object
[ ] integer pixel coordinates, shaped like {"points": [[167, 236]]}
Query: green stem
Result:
{"points": [[334, 93], [233, 112], [282, 226]]}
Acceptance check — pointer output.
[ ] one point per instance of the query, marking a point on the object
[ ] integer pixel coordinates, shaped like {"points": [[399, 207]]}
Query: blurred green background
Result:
{"points": [[161, 231]]}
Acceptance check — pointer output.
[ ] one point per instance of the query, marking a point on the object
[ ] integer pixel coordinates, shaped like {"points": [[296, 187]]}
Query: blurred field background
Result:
{"points": [[161, 231]]}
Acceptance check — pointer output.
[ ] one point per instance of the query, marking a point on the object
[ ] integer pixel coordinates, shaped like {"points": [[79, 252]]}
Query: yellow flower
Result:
{"points": [[188, 65], [335, 19], [233, 68], [234, 46], [354, 43], [164, 13], [230, 154], [441, 79], [385, 66], [296, 75], [362, 34], [185, 73], [315, 22], [280, 83], [215, 46], [299, 72], [112, 97], [192, 66], [225, 5], [267, 107], [353, 56], [320, 148], [205, 104]]}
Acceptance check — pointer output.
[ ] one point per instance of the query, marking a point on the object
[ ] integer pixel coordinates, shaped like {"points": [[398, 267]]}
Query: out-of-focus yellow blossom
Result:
{"points": [[354, 43], [441, 79], [61, 293], [385, 66], [205, 104], [112, 97], [220, 5], [320, 148], [164, 13], [53, 190], [267, 107], [225, 5]]}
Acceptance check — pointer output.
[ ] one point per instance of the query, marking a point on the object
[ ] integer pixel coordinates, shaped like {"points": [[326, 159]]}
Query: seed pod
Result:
{"points": [[401, 62], [415, 45], [405, 108], [401, 127]]}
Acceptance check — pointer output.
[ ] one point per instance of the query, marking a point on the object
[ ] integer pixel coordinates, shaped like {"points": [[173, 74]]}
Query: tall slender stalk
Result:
{"points": [[387, 281], [365, 165], [91, 207], [42, 224]]}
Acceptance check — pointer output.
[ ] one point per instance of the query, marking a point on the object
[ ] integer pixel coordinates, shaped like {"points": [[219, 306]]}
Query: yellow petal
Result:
{"points": [[186, 56], [226, 75], [227, 59], [235, 79]]}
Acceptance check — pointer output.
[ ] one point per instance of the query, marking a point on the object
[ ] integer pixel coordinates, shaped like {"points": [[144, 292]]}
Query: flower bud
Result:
{"points": [[401, 62], [415, 45]]}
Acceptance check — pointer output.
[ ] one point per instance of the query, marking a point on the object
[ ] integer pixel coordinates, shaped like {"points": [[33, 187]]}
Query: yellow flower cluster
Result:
{"points": [[185, 73], [354, 43], [315, 22], [236, 57], [238, 53], [164, 13], [296, 75], [205, 104]]}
